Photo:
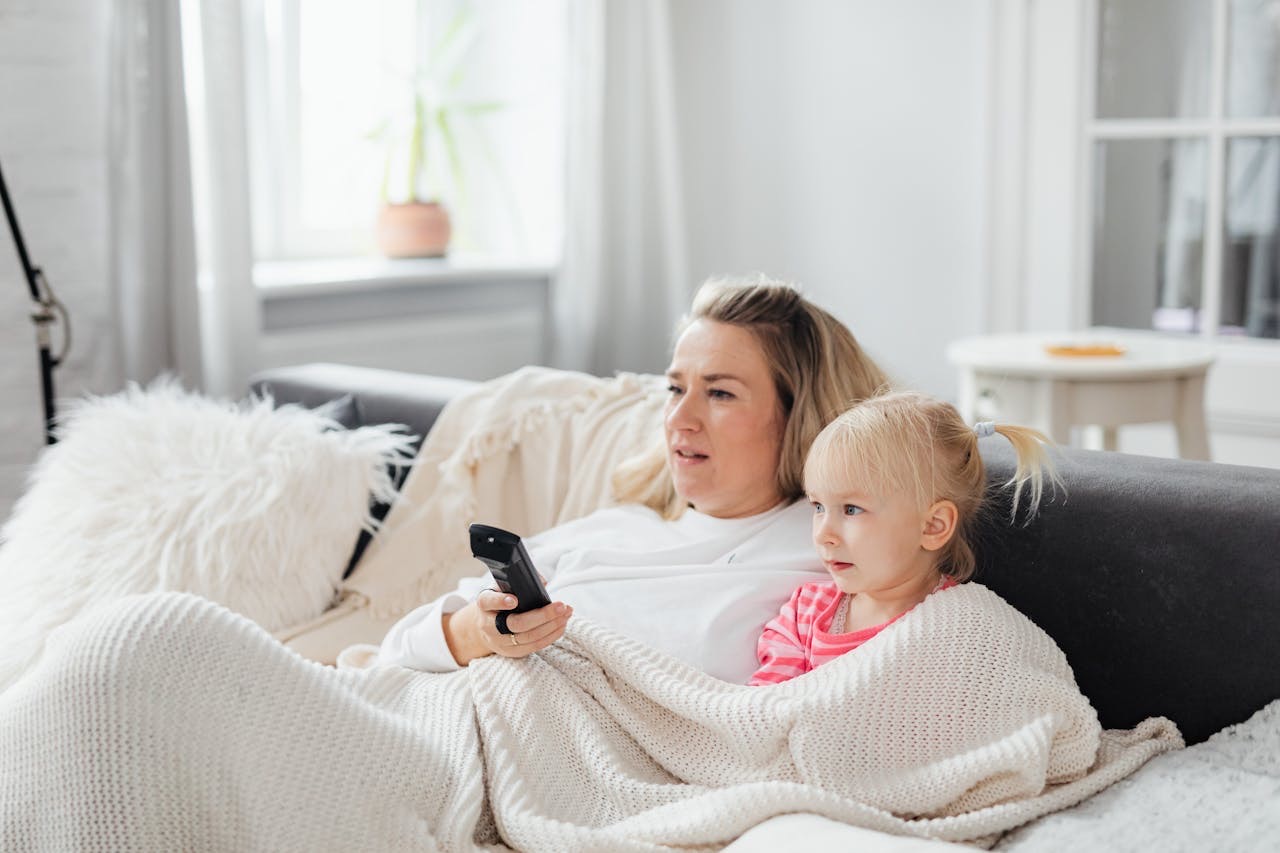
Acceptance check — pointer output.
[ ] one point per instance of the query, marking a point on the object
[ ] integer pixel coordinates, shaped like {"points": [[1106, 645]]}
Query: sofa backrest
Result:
{"points": [[1159, 578]]}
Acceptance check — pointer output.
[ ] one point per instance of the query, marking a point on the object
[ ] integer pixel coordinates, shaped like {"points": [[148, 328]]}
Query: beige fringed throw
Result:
{"points": [[526, 451], [169, 723]]}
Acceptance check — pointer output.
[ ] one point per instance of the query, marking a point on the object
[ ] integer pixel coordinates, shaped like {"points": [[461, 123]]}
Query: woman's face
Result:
{"points": [[724, 422]]}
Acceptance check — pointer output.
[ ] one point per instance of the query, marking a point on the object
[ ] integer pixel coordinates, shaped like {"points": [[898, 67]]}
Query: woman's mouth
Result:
{"points": [[688, 457]]}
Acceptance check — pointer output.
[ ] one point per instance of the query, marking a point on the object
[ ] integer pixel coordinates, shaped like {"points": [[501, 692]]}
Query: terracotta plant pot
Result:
{"points": [[414, 230]]}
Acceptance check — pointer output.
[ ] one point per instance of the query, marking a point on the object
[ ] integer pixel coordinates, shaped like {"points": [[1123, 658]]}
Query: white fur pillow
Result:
{"points": [[255, 507]]}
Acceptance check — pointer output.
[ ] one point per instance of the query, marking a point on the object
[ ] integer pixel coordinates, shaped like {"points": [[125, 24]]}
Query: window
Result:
{"points": [[331, 99], [1182, 168]]}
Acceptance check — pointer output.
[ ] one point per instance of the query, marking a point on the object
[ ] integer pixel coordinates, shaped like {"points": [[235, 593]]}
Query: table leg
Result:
{"points": [[1193, 431], [1109, 438], [1053, 410]]}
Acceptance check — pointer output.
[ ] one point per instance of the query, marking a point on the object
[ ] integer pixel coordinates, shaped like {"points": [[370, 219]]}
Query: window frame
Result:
{"points": [[1216, 130], [278, 231], [273, 38]]}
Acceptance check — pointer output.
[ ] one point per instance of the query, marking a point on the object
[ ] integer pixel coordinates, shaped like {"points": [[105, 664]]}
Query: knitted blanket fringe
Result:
{"points": [[167, 722]]}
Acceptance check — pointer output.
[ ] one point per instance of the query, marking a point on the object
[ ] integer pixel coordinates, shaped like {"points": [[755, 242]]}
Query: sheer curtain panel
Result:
{"points": [[624, 278], [181, 259]]}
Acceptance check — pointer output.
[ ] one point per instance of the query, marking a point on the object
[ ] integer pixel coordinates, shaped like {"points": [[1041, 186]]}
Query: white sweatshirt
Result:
{"points": [[699, 588]]}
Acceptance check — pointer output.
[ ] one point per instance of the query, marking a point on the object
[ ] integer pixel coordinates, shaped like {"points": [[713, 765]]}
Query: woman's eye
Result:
{"points": [[675, 390], [719, 394], [850, 509]]}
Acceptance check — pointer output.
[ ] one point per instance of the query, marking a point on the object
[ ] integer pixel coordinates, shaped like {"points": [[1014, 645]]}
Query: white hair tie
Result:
{"points": [[982, 429]]}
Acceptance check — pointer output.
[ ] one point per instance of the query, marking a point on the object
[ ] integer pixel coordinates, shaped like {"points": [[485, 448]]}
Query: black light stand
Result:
{"points": [[46, 312]]}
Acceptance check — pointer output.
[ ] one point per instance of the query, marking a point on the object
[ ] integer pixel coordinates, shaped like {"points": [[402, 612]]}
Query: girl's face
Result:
{"points": [[723, 422], [879, 544]]}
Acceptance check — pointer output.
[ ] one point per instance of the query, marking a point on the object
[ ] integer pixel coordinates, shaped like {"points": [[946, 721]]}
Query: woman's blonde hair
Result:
{"points": [[909, 443], [818, 369]]}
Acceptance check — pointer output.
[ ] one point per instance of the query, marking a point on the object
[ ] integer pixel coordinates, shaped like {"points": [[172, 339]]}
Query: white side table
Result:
{"points": [[1012, 378]]}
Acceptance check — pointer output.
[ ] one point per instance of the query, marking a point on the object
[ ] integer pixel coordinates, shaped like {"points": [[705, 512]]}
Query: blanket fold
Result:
{"points": [[168, 722]]}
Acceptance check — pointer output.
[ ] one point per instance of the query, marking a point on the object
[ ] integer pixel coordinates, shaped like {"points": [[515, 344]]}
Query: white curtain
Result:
{"points": [[624, 278], [181, 258], [151, 239]]}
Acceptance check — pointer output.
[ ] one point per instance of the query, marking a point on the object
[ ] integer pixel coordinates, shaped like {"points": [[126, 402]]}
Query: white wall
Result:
{"points": [[836, 143], [53, 147], [841, 143]]}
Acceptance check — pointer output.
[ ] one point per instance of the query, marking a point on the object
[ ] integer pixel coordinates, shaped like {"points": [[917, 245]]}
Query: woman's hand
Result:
{"points": [[472, 632]]}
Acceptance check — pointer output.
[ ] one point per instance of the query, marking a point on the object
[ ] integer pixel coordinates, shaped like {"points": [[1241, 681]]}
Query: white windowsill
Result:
{"points": [[290, 279]]}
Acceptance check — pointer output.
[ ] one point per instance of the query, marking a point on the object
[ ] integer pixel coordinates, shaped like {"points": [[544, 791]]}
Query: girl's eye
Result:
{"points": [[817, 508], [850, 509]]}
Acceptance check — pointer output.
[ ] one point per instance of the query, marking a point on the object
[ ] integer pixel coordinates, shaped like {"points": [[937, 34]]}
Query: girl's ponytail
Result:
{"points": [[1034, 464]]}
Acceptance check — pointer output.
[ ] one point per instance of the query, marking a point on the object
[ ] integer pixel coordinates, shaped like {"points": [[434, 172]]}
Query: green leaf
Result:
{"points": [[417, 145], [446, 57], [455, 160]]}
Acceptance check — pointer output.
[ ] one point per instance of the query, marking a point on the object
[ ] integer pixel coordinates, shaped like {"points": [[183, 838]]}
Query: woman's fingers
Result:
{"points": [[532, 620], [530, 631], [492, 601], [546, 633], [533, 630]]}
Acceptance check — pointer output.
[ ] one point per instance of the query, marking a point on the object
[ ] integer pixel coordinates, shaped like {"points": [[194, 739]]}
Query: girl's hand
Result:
{"points": [[472, 632]]}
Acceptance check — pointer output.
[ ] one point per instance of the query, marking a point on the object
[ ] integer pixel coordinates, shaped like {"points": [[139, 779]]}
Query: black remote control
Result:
{"points": [[509, 563]]}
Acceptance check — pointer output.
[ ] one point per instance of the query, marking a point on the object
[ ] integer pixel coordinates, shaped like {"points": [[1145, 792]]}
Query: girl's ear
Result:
{"points": [[939, 525]]}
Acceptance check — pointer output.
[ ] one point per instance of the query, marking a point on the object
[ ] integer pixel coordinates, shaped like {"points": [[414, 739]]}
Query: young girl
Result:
{"points": [[897, 486]]}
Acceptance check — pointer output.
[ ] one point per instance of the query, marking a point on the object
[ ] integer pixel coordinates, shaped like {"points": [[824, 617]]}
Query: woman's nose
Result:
{"points": [[683, 413]]}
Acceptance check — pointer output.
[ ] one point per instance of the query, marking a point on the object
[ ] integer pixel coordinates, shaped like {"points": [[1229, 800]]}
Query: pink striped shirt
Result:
{"points": [[796, 641]]}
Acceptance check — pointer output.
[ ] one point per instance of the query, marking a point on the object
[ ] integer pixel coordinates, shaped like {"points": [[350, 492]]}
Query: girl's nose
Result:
{"points": [[823, 530]]}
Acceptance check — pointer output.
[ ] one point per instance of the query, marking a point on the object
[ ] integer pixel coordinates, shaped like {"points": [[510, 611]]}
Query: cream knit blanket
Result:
{"points": [[167, 722]]}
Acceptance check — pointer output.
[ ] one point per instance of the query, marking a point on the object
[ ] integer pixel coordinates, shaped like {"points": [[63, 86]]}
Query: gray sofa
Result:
{"points": [[1160, 579]]}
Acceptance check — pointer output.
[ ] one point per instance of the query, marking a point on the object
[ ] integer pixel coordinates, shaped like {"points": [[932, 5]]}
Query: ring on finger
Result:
{"points": [[514, 641]]}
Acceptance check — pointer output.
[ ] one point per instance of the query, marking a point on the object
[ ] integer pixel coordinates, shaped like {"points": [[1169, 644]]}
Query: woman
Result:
{"points": [[710, 536]]}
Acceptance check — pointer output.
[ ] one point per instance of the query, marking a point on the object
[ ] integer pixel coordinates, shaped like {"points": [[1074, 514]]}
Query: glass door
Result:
{"points": [[1183, 166]]}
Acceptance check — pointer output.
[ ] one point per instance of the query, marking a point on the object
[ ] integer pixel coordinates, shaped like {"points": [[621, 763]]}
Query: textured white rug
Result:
{"points": [[1223, 794]]}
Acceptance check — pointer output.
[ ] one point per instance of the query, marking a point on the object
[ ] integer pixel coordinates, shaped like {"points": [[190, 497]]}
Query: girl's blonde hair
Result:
{"points": [[909, 443], [819, 370]]}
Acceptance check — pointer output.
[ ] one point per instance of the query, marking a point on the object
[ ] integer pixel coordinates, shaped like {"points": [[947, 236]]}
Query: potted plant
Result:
{"points": [[423, 164]]}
